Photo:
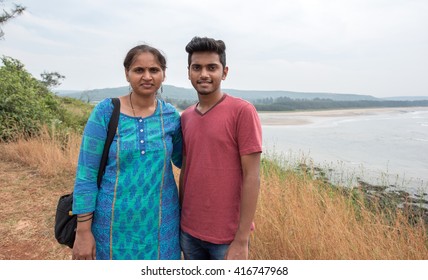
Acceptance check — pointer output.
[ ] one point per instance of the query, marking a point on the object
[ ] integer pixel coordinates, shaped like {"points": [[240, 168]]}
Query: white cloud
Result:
{"points": [[376, 47]]}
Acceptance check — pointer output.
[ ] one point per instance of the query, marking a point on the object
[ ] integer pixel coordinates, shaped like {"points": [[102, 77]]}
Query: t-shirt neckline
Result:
{"points": [[215, 105]]}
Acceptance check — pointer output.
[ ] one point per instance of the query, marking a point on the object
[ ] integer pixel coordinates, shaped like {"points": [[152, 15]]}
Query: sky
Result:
{"points": [[370, 47]]}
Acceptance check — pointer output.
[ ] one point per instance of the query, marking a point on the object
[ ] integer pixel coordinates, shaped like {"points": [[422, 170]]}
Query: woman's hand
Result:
{"points": [[84, 245]]}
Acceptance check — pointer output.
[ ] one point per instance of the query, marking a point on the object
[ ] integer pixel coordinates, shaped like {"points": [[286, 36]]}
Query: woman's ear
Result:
{"points": [[126, 75]]}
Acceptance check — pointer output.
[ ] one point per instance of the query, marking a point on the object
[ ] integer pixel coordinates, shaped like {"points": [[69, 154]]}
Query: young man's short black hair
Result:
{"points": [[204, 44]]}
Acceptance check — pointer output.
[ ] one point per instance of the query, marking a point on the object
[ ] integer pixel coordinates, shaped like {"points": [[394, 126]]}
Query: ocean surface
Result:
{"points": [[388, 148]]}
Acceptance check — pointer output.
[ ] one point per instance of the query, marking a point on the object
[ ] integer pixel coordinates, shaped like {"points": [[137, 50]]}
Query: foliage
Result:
{"points": [[26, 104], [76, 114], [51, 79], [8, 15]]}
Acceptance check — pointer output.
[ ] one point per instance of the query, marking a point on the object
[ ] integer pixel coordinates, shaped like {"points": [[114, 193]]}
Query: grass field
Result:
{"points": [[298, 217]]}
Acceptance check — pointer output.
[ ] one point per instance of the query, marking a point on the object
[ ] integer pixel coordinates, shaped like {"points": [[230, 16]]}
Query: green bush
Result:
{"points": [[26, 105]]}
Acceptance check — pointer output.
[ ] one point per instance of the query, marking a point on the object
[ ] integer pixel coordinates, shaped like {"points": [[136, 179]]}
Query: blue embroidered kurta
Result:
{"points": [[136, 209]]}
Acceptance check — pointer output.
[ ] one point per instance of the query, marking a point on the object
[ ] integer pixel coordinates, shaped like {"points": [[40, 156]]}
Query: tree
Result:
{"points": [[25, 102], [51, 79], [8, 15]]}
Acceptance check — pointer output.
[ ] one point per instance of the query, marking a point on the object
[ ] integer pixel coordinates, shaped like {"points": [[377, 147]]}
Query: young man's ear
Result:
{"points": [[225, 71]]}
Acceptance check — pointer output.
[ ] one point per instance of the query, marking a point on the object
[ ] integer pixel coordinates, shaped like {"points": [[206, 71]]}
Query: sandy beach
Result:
{"points": [[307, 117]]}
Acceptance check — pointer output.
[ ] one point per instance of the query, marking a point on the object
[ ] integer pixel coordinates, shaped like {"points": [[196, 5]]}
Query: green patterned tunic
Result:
{"points": [[136, 210]]}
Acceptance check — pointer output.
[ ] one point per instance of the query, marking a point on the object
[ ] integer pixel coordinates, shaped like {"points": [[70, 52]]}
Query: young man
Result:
{"points": [[220, 177]]}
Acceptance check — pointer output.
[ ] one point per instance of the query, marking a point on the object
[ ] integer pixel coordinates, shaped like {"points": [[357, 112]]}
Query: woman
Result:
{"points": [[135, 213]]}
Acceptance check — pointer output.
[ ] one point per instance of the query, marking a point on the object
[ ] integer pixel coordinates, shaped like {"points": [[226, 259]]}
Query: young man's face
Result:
{"points": [[206, 72]]}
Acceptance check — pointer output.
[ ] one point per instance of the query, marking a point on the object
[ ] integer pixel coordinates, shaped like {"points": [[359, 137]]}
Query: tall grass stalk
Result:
{"points": [[299, 217], [51, 153]]}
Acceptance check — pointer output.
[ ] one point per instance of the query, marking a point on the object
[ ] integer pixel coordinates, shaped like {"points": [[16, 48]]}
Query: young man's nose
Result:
{"points": [[204, 72]]}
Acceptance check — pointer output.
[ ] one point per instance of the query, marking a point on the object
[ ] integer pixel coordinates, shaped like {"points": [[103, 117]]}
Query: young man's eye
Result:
{"points": [[196, 67]]}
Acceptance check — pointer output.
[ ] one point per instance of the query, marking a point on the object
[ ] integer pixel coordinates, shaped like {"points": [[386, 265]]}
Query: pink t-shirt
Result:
{"points": [[213, 145]]}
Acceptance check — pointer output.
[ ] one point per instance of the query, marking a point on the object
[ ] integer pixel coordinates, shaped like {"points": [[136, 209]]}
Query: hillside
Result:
{"points": [[180, 93]]}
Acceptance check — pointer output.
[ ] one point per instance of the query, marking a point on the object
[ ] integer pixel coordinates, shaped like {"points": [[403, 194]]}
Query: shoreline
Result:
{"points": [[307, 117], [378, 195]]}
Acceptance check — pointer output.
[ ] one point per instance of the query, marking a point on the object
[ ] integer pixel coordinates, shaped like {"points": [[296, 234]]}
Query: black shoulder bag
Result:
{"points": [[65, 221]]}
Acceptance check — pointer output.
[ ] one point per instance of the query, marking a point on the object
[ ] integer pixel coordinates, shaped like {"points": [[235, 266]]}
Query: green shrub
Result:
{"points": [[26, 105]]}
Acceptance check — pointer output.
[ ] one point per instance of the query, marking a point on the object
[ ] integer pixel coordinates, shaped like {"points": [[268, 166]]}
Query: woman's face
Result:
{"points": [[145, 74]]}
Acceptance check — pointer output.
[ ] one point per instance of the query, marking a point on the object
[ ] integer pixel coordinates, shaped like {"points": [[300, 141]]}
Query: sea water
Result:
{"points": [[389, 149]]}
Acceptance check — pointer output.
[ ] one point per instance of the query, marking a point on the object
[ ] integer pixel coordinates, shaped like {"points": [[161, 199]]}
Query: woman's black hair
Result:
{"points": [[135, 51]]}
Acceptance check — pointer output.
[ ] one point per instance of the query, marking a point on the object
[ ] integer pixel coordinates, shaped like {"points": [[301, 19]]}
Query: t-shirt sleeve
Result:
{"points": [[249, 131]]}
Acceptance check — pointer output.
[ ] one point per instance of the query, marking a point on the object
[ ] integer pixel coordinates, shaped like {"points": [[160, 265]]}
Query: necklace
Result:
{"points": [[132, 106], [130, 102]]}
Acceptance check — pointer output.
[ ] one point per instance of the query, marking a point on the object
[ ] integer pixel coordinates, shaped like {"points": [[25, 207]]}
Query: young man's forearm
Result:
{"points": [[249, 197]]}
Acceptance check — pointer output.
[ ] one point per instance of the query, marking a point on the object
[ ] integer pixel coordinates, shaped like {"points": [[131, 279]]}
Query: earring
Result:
{"points": [[159, 91]]}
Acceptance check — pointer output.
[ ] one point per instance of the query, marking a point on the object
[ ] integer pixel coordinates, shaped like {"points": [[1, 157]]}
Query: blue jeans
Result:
{"points": [[197, 249]]}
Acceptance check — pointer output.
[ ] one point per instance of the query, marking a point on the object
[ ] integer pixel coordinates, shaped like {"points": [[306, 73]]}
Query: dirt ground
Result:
{"points": [[27, 214]]}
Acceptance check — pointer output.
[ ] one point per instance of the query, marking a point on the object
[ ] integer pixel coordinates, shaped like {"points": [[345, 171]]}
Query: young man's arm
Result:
{"points": [[238, 249], [180, 181]]}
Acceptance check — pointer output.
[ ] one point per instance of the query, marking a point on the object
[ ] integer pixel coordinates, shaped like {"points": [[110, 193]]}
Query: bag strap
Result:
{"points": [[112, 126]]}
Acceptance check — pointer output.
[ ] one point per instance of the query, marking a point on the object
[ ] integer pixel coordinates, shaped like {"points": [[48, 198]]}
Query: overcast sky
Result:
{"points": [[374, 47]]}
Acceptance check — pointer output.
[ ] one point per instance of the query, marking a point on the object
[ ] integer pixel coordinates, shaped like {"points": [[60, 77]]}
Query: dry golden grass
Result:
{"points": [[298, 219], [49, 155], [33, 174], [295, 219]]}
